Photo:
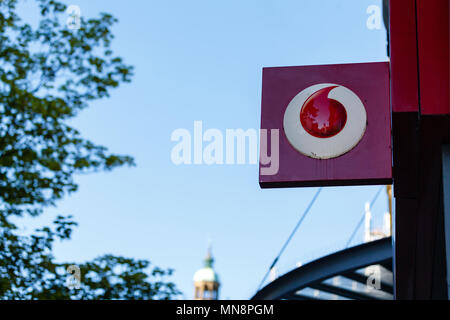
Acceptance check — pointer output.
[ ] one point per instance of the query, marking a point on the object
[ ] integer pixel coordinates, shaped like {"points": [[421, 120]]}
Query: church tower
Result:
{"points": [[206, 280]]}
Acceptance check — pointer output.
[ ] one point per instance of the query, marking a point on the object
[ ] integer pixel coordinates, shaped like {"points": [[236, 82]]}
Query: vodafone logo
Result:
{"points": [[325, 121]]}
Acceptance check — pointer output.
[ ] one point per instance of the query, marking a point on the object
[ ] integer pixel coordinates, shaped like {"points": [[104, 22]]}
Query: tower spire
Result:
{"points": [[209, 260], [206, 280], [389, 194]]}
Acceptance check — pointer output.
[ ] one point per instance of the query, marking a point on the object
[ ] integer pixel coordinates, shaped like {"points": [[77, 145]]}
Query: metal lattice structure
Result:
{"points": [[342, 275]]}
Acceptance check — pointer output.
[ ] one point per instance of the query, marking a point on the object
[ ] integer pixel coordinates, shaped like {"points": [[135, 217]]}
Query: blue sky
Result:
{"points": [[202, 60]]}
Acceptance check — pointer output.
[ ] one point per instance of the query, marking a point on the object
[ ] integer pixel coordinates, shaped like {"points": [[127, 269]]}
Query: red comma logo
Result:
{"points": [[325, 121]]}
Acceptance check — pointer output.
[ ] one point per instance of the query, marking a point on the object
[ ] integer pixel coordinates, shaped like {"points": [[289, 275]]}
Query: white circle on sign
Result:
{"points": [[314, 140]]}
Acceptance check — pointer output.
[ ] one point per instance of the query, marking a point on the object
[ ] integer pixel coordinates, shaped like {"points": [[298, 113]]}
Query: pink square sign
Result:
{"points": [[325, 125]]}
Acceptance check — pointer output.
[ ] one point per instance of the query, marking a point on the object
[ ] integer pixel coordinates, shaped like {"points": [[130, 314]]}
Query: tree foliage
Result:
{"points": [[48, 73], [28, 270]]}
